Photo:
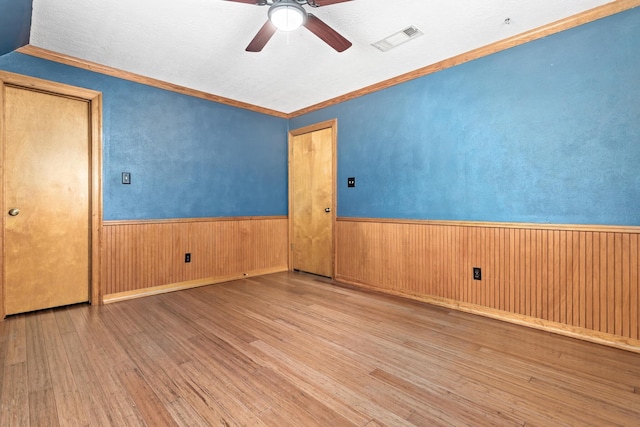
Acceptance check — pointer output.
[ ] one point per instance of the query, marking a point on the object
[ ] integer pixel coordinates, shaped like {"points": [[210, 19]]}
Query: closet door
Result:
{"points": [[47, 176], [312, 201]]}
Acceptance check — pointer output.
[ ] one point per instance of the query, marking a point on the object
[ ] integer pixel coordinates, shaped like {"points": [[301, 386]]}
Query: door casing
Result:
{"points": [[329, 124], [94, 99]]}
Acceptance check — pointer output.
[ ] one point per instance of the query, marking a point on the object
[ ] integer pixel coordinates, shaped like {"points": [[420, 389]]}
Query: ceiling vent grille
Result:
{"points": [[397, 39], [411, 31]]}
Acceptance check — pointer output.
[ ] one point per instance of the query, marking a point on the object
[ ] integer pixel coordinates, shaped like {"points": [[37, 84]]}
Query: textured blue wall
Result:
{"points": [[187, 157], [545, 132], [15, 24]]}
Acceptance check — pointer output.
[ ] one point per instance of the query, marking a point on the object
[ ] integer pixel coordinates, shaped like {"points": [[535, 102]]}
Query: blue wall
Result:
{"points": [[187, 157], [545, 132], [15, 24]]}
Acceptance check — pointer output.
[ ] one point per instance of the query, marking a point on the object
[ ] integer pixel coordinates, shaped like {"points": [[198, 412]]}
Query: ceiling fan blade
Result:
{"points": [[319, 3], [246, 1], [260, 40], [326, 33]]}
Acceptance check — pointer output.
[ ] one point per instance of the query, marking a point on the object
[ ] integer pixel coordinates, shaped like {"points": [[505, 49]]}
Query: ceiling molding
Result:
{"points": [[535, 34], [555, 27], [137, 78]]}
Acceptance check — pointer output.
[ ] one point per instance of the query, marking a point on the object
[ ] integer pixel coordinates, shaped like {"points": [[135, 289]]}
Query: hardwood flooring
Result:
{"points": [[290, 349]]}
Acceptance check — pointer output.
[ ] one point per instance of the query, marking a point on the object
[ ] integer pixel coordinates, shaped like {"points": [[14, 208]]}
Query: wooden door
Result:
{"points": [[46, 176], [312, 199]]}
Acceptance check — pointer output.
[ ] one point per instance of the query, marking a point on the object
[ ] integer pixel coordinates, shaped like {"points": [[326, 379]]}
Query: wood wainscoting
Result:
{"points": [[581, 281], [148, 257]]}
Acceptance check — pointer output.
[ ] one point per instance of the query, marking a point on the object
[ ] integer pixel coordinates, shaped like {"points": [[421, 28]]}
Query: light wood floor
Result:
{"points": [[293, 350]]}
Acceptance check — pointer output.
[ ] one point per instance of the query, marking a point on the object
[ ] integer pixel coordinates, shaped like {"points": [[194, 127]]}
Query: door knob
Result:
{"points": [[14, 212], [327, 210]]}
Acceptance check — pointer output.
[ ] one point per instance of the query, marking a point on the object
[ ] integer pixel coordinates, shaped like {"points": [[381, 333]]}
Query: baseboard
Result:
{"points": [[172, 287], [602, 338]]}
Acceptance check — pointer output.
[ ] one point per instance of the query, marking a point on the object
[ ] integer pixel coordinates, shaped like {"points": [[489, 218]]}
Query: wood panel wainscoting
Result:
{"points": [[581, 281], [142, 258]]}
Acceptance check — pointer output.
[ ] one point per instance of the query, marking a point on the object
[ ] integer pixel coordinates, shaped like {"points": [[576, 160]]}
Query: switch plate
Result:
{"points": [[477, 273], [187, 257], [351, 182], [126, 177]]}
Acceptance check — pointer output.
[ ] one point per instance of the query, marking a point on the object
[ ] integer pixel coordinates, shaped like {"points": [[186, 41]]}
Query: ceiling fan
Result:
{"points": [[288, 15]]}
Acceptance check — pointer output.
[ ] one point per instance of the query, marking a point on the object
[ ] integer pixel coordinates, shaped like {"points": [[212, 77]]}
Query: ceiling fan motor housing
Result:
{"points": [[311, 3], [287, 15]]}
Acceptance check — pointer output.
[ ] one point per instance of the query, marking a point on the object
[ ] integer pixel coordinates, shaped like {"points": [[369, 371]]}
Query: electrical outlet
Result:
{"points": [[477, 273], [187, 257], [351, 182]]}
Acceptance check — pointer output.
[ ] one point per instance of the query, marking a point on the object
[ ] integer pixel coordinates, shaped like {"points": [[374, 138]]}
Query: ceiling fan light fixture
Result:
{"points": [[287, 15]]}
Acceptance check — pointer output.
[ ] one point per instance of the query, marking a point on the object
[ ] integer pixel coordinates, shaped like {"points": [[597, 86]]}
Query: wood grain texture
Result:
{"points": [[587, 279], [289, 349], [96, 195], [94, 102], [46, 176], [329, 129], [312, 183], [142, 255]]}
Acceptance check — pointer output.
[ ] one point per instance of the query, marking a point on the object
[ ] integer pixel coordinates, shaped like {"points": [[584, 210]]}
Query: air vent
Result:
{"points": [[411, 31], [398, 38]]}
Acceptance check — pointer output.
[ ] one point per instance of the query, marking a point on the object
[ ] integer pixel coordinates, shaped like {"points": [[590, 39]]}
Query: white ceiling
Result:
{"points": [[200, 44]]}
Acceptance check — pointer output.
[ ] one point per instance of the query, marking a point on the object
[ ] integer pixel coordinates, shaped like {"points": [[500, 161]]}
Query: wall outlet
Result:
{"points": [[477, 273], [187, 257]]}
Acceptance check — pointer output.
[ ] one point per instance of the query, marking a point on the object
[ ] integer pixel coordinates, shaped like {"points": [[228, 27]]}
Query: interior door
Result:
{"points": [[312, 176], [46, 199]]}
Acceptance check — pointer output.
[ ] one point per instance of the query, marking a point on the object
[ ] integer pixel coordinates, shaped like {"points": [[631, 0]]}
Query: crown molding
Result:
{"points": [[528, 36], [591, 15], [137, 78]]}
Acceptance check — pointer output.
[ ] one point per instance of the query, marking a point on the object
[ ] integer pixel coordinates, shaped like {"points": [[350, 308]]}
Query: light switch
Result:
{"points": [[351, 182], [126, 177]]}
